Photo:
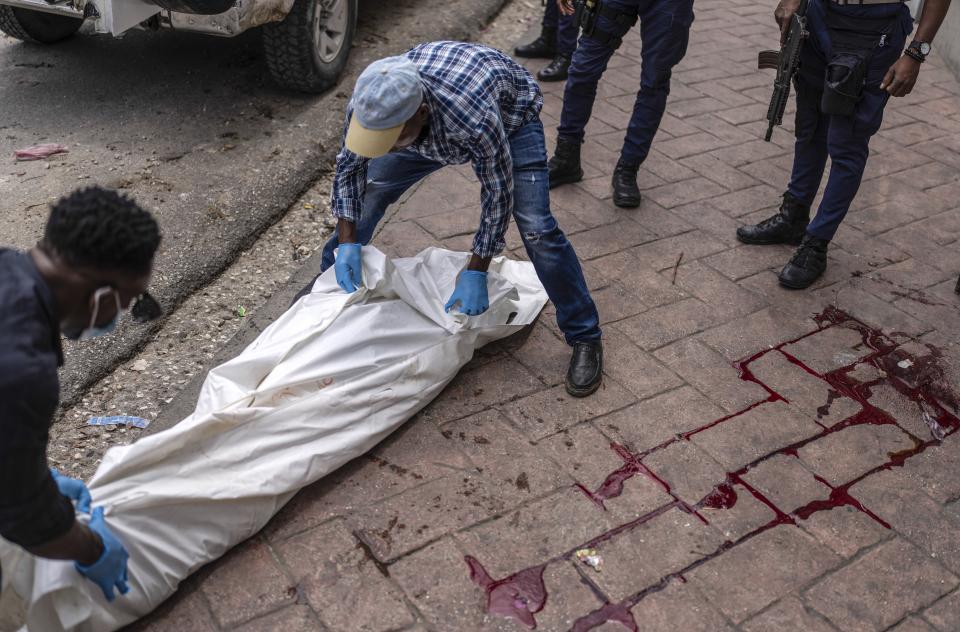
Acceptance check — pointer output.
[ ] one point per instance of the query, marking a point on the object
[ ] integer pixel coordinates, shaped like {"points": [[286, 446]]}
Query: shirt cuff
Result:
{"points": [[488, 250], [347, 208]]}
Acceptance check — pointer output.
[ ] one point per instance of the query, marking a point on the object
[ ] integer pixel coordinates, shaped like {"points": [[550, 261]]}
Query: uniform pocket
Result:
{"points": [[869, 113], [843, 84]]}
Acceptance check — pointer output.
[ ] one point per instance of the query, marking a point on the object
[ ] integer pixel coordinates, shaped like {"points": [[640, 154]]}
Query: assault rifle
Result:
{"points": [[786, 61]]}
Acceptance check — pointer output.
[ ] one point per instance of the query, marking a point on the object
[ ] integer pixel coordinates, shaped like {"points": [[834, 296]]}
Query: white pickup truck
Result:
{"points": [[306, 42]]}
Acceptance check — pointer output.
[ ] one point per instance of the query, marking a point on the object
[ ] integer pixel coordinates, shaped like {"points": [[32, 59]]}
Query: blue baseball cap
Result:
{"points": [[387, 95]]}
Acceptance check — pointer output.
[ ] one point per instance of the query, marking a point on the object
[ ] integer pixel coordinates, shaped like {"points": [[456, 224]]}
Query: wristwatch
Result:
{"points": [[918, 50]]}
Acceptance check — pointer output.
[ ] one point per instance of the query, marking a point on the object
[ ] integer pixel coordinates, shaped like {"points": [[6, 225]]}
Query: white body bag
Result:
{"points": [[323, 384]]}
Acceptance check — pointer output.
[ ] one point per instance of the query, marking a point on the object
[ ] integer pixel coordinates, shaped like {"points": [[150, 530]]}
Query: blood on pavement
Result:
{"points": [[523, 594]]}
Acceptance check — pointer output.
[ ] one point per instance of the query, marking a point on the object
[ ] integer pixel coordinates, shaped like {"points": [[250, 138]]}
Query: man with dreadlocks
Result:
{"points": [[95, 260]]}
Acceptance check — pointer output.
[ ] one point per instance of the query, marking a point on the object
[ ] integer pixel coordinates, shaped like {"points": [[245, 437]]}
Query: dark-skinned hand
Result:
{"points": [[901, 77], [783, 14]]}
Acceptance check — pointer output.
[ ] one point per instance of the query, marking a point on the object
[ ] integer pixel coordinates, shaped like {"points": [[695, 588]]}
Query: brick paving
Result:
{"points": [[758, 459]]}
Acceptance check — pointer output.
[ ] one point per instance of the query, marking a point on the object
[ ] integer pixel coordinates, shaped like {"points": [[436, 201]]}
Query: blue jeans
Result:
{"points": [[566, 30], [665, 30], [547, 247], [844, 139]]}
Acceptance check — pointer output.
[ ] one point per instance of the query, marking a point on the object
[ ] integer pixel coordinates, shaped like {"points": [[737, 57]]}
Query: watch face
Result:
{"points": [[924, 48]]}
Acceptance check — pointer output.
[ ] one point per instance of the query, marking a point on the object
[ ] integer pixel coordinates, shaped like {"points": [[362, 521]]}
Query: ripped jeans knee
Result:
{"points": [[546, 235]]}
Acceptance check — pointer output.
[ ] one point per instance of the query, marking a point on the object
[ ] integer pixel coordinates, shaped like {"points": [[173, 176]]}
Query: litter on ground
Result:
{"points": [[590, 557], [39, 152], [119, 420]]}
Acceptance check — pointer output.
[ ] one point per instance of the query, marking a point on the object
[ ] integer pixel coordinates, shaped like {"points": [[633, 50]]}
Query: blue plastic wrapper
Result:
{"points": [[119, 420]]}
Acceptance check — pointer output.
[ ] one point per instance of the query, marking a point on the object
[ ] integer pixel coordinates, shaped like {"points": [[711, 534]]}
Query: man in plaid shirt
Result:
{"points": [[449, 103]]}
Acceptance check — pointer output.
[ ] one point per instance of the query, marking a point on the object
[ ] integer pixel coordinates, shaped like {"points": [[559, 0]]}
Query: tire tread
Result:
{"points": [[288, 50], [10, 25]]}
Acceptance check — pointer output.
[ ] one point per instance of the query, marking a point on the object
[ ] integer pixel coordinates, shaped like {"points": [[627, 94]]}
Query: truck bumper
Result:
{"points": [[117, 16], [242, 16]]}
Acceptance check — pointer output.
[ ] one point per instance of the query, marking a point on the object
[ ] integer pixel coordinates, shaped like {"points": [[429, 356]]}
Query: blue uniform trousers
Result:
{"points": [[844, 139], [665, 30], [566, 30]]}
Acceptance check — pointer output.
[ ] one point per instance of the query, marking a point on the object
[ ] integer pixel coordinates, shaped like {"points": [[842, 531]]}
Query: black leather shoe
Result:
{"points": [[786, 227], [809, 262], [556, 70], [626, 193], [544, 46], [565, 164], [586, 368]]}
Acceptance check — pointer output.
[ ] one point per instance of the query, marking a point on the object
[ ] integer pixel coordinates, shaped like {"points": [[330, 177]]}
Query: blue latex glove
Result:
{"points": [[110, 571], [348, 267], [470, 293], [73, 489]]}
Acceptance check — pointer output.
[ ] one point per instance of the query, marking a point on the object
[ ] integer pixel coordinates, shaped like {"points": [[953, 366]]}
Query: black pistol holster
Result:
{"points": [[843, 85], [853, 41], [586, 16]]}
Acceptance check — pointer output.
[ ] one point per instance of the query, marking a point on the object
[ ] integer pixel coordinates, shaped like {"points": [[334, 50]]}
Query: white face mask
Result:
{"points": [[92, 331]]}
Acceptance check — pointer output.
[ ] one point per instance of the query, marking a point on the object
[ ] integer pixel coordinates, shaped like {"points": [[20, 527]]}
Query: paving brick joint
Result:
{"points": [[758, 459], [884, 363]]}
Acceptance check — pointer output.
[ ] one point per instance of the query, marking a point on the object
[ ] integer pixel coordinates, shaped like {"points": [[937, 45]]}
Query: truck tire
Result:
{"points": [[36, 26], [309, 48]]}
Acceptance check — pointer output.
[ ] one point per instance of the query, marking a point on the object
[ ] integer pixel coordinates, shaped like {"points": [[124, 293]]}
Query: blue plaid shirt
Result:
{"points": [[477, 97]]}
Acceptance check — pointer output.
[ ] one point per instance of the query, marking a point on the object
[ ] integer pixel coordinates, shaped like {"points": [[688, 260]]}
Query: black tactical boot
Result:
{"points": [[544, 46], [586, 368], [807, 264], [565, 164], [556, 70], [786, 227], [626, 193]]}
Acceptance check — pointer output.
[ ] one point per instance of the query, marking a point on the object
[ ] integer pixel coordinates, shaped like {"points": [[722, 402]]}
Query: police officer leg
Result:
{"points": [[789, 224], [810, 150], [567, 31], [848, 140], [546, 44], [665, 31], [587, 66], [849, 137], [849, 151], [848, 154]]}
